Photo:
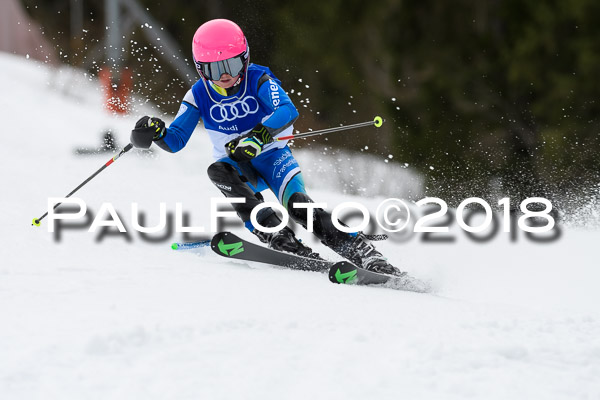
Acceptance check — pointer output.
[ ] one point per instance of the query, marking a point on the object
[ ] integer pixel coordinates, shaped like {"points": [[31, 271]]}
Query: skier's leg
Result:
{"points": [[281, 172], [280, 167], [235, 180], [323, 228], [228, 178], [354, 247]]}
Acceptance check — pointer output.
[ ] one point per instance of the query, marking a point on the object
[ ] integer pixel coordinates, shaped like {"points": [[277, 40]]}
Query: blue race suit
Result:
{"points": [[259, 100]]}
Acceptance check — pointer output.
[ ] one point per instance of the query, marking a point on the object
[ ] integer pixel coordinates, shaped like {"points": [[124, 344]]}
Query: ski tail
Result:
{"points": [[190, 245]]}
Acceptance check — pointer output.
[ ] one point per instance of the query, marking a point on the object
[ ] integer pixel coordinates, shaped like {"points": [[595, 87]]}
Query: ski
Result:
{"points": [[229, 245], [226, 244]]}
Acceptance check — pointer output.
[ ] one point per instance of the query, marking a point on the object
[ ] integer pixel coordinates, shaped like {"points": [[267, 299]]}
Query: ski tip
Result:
{"points": [[343, 272], [378, 121], [36, 222], [175, 246]]}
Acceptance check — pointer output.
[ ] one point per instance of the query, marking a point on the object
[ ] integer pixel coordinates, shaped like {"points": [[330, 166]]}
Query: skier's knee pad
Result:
{"points": [[323, 228], [227, 178], [220, 172], [298, 214], [266, 217]]}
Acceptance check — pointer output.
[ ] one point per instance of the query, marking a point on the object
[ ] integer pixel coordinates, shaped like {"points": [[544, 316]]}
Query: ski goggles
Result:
{"points": [[232, 66]]}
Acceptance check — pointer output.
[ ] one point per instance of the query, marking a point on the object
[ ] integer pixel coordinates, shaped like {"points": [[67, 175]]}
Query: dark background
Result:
{"points": [[497, 96]]}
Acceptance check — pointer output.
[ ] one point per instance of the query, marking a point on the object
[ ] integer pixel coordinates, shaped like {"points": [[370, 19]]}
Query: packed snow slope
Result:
{"points": [[127, 319]]}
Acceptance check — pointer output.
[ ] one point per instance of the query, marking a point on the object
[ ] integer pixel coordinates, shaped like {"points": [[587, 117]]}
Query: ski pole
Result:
{"points": [[377, 121], [36, 221]]}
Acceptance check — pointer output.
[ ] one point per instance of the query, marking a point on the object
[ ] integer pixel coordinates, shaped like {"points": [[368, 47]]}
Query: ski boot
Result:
{"points": [[363, 254], [285, 240]]}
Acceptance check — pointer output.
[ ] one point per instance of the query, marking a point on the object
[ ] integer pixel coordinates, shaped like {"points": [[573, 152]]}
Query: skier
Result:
{"points": [[243, 107]]}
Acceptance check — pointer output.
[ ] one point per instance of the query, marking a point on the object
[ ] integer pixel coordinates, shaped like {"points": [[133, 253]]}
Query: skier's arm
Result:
{"points": [[277, 100], [284, 113], [179, 132]]}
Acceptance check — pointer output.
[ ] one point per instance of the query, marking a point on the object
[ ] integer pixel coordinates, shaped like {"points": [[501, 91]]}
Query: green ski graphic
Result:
{"points": [[235, 248], [348, 277]]}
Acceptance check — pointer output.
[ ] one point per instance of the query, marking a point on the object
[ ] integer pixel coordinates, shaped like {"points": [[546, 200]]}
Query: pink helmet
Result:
{"points": [[219, 46]]}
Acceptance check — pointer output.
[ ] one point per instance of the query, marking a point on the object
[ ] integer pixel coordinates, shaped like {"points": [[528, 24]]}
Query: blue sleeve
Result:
{"points": [[180, 130], [274, 98]]}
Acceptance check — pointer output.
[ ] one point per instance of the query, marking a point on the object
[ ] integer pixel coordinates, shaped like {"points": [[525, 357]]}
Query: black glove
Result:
{"points": [[245, 148], [146, 131]]}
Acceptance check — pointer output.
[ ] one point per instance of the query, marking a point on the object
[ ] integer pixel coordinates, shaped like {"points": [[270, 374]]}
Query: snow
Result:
{"points": [[118, 319]]}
